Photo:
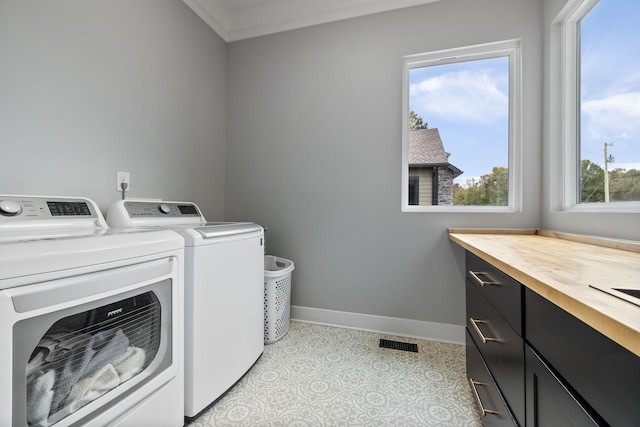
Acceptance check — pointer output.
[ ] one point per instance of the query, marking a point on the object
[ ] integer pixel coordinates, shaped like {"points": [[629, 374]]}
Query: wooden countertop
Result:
{"points": [[561, 266]]}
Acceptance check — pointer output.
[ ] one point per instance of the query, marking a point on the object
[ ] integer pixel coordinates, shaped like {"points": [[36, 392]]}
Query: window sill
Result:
{"points": [[612, 207], [460, 209]]}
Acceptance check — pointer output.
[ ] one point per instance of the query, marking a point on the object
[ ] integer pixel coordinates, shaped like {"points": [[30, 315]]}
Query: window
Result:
{"points": [[414, 188], [461, 138], [600, 104]]}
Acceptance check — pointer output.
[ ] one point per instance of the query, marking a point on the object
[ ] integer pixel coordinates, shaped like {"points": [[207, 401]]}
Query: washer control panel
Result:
{"points": [[139, 209], [39, 208]]}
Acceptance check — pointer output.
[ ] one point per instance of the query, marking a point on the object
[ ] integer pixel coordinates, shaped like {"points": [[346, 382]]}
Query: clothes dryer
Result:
{"points": [[90, 318], [224, 293]]}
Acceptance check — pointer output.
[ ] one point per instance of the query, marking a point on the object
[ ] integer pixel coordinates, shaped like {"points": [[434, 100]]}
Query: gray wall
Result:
{"points": [[314, 128], [616, 225], [88, 88], [310, 144]]}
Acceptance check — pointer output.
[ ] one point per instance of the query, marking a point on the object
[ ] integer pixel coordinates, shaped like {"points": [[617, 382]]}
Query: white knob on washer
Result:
{"points": [[164, 208], [10, 208]]}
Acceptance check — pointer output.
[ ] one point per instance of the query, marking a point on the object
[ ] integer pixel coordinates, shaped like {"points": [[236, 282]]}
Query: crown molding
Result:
{"points": [[214, 12], [284, 15]]}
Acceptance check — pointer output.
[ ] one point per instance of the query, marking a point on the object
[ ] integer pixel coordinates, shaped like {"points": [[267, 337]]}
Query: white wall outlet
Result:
{"points": [[122, 177]]}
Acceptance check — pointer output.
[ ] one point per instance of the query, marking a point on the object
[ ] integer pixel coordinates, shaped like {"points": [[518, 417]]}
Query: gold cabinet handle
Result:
{"points": [[475, 276], [475, 392], [474, 323]]}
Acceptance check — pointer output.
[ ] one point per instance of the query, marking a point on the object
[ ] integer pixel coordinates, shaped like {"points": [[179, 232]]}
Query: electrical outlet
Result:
{"points": [[123, 177]]}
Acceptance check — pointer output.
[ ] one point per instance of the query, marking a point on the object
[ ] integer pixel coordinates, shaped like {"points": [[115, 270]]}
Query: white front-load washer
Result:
{"points": [[90, 318], [224, 293]]}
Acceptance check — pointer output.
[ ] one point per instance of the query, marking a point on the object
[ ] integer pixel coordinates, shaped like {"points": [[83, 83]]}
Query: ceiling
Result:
{"points": [[242, 19]]}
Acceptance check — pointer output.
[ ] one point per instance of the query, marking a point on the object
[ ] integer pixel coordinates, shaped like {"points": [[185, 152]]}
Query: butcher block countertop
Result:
{"points": [[560, 267]]}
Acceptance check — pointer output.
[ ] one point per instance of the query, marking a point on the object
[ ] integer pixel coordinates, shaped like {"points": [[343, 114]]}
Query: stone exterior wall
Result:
{"points": [[445, 186]]}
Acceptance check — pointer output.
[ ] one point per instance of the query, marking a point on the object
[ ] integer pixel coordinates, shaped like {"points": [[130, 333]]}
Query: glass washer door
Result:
{"points": [[104, 349]]}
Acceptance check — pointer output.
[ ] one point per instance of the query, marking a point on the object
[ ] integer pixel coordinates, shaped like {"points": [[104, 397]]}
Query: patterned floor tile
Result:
{"points": [[325, 376]]}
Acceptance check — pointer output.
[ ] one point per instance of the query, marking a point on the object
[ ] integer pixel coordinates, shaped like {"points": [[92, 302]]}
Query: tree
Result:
{"points": [[624, 185], [591, 182], [416, 122], [497, 185], [491, 190]]}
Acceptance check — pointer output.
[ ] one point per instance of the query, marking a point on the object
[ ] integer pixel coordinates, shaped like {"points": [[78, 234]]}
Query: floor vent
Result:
{"points": [[397, 345]]}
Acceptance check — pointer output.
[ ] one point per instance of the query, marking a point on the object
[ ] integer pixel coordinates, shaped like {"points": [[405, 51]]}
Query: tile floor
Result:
{"points": [[326, 376]]}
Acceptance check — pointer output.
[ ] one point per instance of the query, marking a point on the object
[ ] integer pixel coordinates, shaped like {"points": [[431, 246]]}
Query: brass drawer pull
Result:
{"points": [[474, 275], [475, 392], [484, 339]]}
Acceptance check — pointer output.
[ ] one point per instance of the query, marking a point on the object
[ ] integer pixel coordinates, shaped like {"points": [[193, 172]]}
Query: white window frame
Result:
{"points": [[566, 78], [510, 48]]}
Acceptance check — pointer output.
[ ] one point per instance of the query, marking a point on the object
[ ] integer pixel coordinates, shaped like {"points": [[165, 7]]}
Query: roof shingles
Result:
{"points": [[426, 148]]}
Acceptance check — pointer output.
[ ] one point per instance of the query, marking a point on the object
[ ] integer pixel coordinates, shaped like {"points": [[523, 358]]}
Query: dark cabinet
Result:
{"points": [[489, 400], [501, 348], [497, 339], [531, 363], [549, 401], [601, 373], [504, 292]]}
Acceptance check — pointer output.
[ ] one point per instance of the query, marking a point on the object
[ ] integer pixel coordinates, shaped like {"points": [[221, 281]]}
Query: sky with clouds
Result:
{"points": [[610, 86], [468, 102], [469, 105]]}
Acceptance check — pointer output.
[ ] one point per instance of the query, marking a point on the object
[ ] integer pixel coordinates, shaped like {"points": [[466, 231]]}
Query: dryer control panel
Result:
{"points": [[137, 209], [153, 213]]}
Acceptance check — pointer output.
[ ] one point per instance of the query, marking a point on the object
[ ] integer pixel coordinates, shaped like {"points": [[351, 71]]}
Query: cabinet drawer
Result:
{"points": [[504, 292], [501, 347], [550, 402], [487, 397], [602, 372]]}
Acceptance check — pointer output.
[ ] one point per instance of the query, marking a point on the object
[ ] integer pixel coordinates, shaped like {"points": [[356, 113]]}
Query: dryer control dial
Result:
{"points": [[164, 208], [10, 208]]}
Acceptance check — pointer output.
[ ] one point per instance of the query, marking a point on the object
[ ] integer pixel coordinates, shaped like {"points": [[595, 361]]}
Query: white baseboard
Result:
{"points": [[442, 332]]}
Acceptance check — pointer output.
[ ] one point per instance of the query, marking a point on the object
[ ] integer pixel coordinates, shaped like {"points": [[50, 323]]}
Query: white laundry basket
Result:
{"points": [[277, 297]]}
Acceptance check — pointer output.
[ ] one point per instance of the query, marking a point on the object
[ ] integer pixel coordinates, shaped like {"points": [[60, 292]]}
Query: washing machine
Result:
{"points": [[224, 293], [90, 318]]}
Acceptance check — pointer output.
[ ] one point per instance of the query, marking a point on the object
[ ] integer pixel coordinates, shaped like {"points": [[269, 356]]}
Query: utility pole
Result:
{"points": [[607, 159]]}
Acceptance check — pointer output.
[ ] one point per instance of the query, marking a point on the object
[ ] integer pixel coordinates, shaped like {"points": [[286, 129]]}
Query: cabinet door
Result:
{"points": [[549, 402], [501, 347], [602, 372], [489, 401]]}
